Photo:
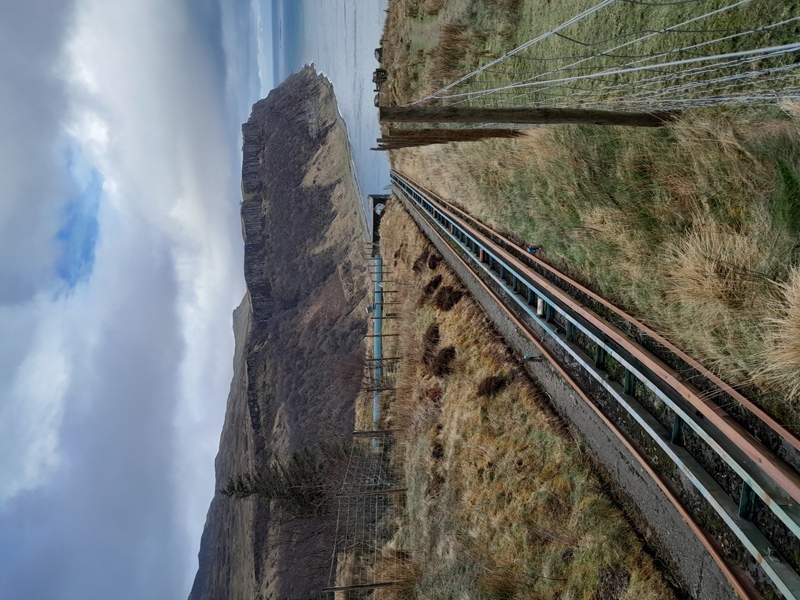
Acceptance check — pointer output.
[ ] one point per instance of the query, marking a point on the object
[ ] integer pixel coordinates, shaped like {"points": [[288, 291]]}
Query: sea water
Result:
{"points": [[340, 37]]}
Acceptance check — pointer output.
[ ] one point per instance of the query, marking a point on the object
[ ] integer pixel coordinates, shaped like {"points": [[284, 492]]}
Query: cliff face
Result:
{"points": [[299, 335]]}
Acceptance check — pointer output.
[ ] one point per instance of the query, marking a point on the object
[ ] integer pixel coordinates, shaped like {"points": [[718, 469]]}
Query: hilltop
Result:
{"points": [[299, 336]]}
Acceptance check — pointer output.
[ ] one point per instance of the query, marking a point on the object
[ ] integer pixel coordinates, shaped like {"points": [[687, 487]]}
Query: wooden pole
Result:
{"points": [[371, 493], [374, 433], [530, 116], [362, 586]]}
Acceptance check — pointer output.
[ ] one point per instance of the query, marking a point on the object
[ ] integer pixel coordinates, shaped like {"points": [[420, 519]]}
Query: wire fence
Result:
{"points": [[370, 507], [639, 55]]}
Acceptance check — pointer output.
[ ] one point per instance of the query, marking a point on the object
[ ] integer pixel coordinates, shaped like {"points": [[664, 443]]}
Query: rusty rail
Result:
{"points": [[762, 471]]}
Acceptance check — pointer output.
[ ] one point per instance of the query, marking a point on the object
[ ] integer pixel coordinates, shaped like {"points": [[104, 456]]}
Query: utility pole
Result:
{"points": [[527, 116]]}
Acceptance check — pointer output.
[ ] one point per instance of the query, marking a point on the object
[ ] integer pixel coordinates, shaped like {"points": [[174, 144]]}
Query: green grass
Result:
{"points": [[786, 204], [422, 62]]}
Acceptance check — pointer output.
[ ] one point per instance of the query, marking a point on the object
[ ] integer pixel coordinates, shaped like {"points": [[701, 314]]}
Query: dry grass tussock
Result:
{"points": [[429, 42], [781, 354], [454, 43], [501, 502], [693, 227]]}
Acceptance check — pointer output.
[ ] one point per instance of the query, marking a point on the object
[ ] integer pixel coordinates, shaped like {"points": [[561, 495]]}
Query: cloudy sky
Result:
{"points": [[120, 265]]}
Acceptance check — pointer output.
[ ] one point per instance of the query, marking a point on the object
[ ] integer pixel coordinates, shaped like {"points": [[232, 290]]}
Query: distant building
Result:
{"points": [[378, 203]]}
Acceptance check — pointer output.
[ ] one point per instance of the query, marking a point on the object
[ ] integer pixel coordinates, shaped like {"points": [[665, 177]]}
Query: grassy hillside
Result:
{"points": [[502, 502], [429, 43], [692, 227]]}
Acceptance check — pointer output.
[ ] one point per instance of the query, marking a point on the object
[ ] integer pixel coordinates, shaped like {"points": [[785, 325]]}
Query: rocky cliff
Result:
{"points": [[299, 336]]}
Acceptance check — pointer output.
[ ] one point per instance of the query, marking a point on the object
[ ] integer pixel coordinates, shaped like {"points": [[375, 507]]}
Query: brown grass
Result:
{"points": [[432, 285], [491, 385], [781, 355], [447, 297], [442, 363], [454, 43], [434, 7], [500, 502]]}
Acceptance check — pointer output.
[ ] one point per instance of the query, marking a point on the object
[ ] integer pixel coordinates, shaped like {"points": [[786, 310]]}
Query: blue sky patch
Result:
{"points": [[80, 228]]}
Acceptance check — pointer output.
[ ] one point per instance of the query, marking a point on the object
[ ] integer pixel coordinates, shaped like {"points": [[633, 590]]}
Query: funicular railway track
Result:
{"points": [[739, 460]]}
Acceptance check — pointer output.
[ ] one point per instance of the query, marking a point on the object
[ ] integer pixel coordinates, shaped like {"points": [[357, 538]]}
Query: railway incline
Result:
{"points": [[712, 481]]}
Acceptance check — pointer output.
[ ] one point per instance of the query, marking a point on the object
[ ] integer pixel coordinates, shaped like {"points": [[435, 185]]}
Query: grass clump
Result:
{"points": [[447, 297], [786, 206], [781, 340], [432, 285], [442, 363], [491, 385]]}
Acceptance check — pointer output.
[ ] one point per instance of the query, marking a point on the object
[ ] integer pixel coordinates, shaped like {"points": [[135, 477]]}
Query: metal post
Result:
{"points": [[371, 493], [628, 387], [599, 356], [372, 433], [746, 501], [362, 586], [677, 431]]}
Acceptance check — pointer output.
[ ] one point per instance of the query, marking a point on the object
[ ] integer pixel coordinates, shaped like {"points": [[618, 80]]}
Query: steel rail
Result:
{"points": [[779, 428], [658, 376], [786, 478], [762, 472], [741, 585]]}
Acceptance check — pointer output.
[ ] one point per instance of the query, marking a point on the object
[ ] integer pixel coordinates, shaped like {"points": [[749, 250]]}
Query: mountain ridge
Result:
{"points": [[299, 335]]}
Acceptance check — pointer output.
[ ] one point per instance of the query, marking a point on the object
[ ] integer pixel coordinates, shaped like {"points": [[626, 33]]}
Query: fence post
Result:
{"points": [[530, 116]]}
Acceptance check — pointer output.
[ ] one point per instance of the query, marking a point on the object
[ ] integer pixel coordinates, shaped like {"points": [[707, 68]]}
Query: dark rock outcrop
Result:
{"points": [[299, 334]]}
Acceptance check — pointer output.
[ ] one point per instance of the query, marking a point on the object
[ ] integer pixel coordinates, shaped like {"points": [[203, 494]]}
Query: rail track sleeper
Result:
{"points": [[548, 312], [599, 356]]}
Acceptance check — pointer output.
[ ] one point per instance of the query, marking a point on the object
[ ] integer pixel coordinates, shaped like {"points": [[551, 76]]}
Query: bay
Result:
{"points": [[339, 37]]}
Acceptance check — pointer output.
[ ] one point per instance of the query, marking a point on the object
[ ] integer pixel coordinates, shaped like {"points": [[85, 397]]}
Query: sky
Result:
{"points": [[120, 266]]}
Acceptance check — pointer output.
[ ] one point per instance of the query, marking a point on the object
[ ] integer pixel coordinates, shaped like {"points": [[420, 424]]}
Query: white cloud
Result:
{"points": [[148, 115], [148, 335], [33, 188], [32, 407]]}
